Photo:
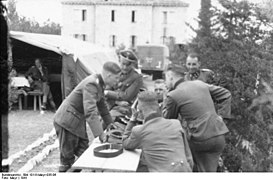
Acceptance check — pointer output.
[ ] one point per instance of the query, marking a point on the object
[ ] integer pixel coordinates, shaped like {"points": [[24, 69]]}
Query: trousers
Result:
{"points": [[206, 153], [70, 145]]}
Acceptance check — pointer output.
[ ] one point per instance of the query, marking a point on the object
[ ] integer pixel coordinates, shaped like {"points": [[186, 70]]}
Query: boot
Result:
{"points": [[52, 104], [64, 168], [43, 107]]}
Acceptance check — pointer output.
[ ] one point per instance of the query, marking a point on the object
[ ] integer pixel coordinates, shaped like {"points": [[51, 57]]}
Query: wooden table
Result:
{"points": [[125, 162]]}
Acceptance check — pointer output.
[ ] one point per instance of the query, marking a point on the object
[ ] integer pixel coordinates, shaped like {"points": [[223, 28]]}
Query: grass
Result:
{"points": [[27, 126]]}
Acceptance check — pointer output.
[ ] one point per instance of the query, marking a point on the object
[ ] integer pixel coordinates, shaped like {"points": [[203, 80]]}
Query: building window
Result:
{"points": [[164, 17], [83, 15], [84, 37], [133, 16], [113, 40], [133, 41], [113, 15]]}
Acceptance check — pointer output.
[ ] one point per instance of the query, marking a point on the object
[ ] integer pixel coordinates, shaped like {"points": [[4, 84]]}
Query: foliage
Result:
{"points": [[18, 23], [239, 50]]}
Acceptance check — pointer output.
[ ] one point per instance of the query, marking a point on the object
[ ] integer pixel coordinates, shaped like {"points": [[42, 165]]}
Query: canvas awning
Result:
{"points": [[79, 58]]}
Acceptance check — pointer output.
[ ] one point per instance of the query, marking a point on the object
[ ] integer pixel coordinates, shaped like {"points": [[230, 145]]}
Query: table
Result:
{"points": [[125, 162]]}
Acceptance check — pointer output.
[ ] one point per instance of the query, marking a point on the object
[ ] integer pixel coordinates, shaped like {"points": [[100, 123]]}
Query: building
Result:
{"points": [[128, 22]]}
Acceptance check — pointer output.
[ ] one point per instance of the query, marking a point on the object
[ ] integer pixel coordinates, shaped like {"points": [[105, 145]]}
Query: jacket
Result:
{"points": [[36, 75], [84, 104], [163, 143], [128, 87], [192, 100]]}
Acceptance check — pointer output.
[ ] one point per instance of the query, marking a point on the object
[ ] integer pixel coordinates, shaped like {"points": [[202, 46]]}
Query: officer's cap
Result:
{"points": [[128, 55], [177, 69]]}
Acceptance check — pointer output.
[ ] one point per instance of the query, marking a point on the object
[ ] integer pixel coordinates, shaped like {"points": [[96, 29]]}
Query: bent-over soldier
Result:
{"points": [[85, 103], [192, 100]]}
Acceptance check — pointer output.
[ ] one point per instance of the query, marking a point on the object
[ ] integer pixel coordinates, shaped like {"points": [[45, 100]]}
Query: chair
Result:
{"points": [[37, 95]]}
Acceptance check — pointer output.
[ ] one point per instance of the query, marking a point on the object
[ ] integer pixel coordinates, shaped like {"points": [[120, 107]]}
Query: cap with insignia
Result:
{"points": [[128, 55]]}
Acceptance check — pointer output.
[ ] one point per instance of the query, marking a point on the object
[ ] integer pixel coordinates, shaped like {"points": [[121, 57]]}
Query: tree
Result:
{"points": [[238, 48], [17, 23]]}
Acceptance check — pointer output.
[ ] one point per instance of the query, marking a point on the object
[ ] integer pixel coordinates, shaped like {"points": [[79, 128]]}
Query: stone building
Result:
{"points": [[128, 22]]}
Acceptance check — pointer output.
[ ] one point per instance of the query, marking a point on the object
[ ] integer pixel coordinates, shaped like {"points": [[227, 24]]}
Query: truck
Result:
{"points": [[153, 59]]}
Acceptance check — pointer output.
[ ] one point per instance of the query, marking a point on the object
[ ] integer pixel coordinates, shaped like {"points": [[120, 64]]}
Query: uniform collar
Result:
{"points": [[129, 72], [178, 82], [152, 115], [101, 82], [195, 75]]}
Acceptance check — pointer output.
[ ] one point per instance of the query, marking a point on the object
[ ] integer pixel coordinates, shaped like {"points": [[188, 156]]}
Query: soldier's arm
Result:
{"points": [[130, 138], [169, 109], [129, 94], [104, 112], [90, 98], [222, 97], [188, 153]]}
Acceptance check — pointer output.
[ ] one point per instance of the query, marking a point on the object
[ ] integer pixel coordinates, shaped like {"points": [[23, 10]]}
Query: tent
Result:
{"points": [[69, 60]]}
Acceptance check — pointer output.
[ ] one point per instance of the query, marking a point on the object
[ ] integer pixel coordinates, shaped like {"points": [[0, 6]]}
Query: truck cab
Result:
{"points": [[153, 59]]}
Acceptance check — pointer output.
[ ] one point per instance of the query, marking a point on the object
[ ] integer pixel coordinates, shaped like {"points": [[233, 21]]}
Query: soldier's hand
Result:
{"points": [[103, 137]]}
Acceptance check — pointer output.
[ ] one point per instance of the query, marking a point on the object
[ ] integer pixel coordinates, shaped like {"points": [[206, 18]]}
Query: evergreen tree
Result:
{"points": [[239, 49]]}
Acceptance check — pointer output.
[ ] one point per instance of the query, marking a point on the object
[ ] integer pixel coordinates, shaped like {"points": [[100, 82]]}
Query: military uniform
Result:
{"points": [[128, 88], [192, 100], [163, 142], [204, 75], [85, 103]]}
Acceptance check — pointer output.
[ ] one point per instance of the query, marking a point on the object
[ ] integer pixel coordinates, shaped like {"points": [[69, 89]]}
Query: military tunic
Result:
{"points": [[192, 100], [128, 88], [85, 103]]}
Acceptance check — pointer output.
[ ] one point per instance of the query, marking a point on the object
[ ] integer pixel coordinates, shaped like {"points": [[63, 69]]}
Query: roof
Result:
{"points": [[58, 43], [90, 55], [166, 3]]}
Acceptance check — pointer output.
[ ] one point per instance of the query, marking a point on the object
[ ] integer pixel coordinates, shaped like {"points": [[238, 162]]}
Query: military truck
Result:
{"points": [[153, 59]]}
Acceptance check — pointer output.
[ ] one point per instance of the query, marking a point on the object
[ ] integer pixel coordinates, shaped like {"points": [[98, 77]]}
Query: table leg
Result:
{"points": [[25, 102], [35, 102], [20, 102]]}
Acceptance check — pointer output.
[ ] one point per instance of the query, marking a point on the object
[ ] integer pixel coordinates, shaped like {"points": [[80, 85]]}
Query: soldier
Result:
{"points": [[121, 98], [38, 79], [84, 104], [194, 72], [163, 142], [192, 100]]}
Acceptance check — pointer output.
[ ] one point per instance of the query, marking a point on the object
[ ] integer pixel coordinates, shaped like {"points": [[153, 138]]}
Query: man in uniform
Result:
{"points": [[192, 100], [85, 103], [121, 98], [194, 72], [163, 142], [38, 79]]}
